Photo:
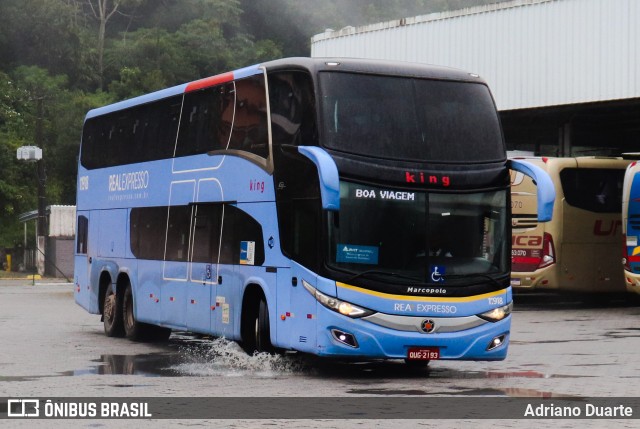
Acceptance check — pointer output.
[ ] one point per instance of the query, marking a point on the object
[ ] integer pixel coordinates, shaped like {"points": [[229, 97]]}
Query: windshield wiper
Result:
{"points": [[473, 275], [384, 273]]}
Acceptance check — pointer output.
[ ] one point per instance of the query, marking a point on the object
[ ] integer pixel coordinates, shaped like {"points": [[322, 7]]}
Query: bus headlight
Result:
{"points": [[342, 307], [497, 314]]}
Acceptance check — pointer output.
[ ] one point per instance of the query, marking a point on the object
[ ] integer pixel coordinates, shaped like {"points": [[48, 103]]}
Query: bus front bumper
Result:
{"points": [[358, 338], [543, 278]]}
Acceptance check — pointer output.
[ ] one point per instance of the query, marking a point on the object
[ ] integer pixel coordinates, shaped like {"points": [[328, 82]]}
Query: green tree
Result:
{"points": [[17, 180], [102, 11], [44, 93], [40, 32], [148, 59]]}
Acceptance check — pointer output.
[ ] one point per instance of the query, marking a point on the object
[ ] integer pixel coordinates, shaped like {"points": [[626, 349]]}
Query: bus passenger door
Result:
{"points": [[204, 255], [82, 289], [176, 253]]}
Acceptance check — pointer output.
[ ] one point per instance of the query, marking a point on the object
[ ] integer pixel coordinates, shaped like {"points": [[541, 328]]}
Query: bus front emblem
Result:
{"points": [[427, 326]]}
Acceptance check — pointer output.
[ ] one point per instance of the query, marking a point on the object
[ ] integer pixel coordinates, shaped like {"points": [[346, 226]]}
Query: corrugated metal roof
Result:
{"points": [[533, 53], [62, 220]]}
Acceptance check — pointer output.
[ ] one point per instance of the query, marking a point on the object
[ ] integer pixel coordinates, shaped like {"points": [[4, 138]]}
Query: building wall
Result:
{"points": [[533, 53], [60, 255], [62, 221]]}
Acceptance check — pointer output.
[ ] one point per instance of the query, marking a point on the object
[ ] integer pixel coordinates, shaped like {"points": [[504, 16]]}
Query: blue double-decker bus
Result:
{"points": [[340, 207]]}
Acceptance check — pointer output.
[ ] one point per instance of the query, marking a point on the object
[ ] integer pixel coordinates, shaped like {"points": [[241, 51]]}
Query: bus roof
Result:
{"points": [[313, 65]]}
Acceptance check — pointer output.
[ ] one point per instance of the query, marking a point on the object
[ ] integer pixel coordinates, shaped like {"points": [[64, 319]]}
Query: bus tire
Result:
{"points": [[255, 327], [262, 329], [139, 331], [112, 313]]}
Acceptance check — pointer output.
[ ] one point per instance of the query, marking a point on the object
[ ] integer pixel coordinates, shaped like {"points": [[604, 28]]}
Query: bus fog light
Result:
{"points": [[496, 342], [344, 338]]}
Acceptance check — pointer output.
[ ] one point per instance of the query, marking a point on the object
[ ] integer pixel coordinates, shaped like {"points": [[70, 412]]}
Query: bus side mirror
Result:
{"points": [[328, 174], [546, 191]]}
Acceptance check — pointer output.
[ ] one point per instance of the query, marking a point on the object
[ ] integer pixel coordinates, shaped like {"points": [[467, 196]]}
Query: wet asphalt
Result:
{"points": [[561, 346]]}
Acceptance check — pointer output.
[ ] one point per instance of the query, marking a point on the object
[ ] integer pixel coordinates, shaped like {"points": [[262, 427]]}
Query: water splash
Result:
{"points": [[224, 357]]}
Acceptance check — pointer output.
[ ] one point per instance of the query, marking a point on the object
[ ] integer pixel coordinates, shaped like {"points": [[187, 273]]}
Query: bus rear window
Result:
{"points": [[410, 119]]}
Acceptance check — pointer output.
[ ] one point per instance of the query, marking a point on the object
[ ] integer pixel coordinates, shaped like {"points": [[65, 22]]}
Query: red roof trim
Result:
{"points": [[209, 81]]}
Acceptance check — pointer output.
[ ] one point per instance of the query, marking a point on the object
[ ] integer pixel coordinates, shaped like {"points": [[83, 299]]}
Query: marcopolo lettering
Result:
{"points": [[129, 181], [429, 290]]}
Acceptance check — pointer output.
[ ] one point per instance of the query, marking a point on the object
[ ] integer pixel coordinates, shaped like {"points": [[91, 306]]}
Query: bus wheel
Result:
{"points": [[131, 326], [263, 332], [112, 314], [256, 338], [138, 331]]}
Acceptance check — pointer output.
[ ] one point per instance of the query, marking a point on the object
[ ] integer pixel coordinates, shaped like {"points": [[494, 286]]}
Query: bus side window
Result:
{"points": [[250, 128], [292, 107], [206, 120], [146, 227], [177, 245], [206, 232], [83, 230], [138, 134], [240, 227], [305, 239]]}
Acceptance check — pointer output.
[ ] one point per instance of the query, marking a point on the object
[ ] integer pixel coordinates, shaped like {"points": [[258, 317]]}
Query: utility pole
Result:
{"points": [[34, 154], [42, 196]]}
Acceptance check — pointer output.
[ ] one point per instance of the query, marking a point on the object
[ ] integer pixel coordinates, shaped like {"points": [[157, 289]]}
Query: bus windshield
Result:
{"points": [[410, 234], [409, 119]]}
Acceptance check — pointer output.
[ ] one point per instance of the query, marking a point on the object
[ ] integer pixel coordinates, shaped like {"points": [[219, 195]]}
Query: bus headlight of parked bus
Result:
{"points": [[497, 314], [342, 307]]}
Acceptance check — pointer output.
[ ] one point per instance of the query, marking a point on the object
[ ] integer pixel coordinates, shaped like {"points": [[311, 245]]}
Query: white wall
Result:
{"points": [[533, 53]]}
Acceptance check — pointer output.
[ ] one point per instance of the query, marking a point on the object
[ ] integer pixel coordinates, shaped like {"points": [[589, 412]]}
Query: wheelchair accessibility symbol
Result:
{"points": [[437, 273]]}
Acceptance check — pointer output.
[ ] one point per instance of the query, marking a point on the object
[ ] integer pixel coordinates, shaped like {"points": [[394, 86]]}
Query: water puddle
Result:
{"points": [[624, 333], [514, 392], [220, 357], [17, 378], [192, 355], [527, 374], [147, 365]]}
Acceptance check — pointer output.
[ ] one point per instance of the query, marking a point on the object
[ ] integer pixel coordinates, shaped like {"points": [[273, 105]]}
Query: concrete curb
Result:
{"points": [[31, 277]]}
